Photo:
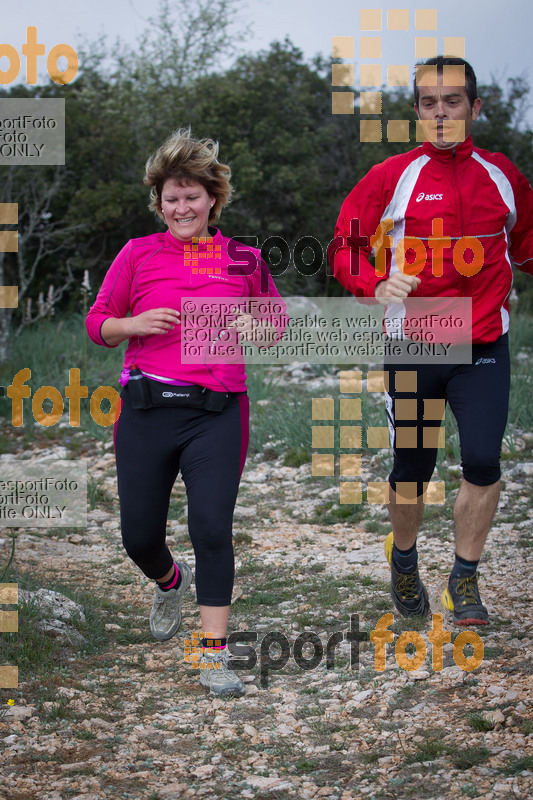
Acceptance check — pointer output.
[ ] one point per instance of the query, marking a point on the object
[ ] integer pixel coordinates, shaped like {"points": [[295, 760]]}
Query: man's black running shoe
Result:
{"points": [[462, 597], [407, 590]]}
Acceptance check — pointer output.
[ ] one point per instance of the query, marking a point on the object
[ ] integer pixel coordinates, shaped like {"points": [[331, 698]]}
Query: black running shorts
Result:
{"points": [[478, 395]]}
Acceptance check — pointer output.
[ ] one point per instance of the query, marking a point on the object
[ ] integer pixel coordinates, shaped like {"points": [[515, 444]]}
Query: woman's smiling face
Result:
{"points": [[185, 208]]}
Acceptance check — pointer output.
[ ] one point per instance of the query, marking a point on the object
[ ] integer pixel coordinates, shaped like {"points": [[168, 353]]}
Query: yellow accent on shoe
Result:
{"points": [[389, 541], [446, 600], [462, 597]]}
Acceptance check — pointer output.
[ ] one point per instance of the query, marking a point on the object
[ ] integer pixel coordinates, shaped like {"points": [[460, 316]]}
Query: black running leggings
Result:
{"points": [[209, 448]]}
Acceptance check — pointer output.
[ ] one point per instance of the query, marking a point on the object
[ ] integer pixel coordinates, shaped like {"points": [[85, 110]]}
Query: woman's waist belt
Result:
{"points": [[145, 393]]}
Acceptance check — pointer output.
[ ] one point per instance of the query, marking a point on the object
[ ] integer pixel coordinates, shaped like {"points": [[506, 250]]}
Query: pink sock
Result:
{"points": [[173, 582]]}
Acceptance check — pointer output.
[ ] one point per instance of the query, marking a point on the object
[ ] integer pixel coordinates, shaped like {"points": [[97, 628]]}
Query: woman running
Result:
{"points": [[181, 413]]}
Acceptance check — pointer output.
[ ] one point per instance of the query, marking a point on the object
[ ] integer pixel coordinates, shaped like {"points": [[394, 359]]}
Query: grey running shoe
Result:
{"points": [[165, 618], [462, 597], [407, 590], [216, 675]]}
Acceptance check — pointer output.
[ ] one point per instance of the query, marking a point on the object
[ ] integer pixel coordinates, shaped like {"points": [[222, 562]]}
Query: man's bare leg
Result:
{"points": [[474, 510], [405, 519], [473, 513]]}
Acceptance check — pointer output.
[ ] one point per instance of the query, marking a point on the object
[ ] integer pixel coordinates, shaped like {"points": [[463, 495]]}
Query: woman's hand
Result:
{"points": [[246, 326], [396, 288], [154, 321]]}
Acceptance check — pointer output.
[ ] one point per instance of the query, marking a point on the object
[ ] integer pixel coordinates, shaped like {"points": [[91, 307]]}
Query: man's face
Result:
{"points": [[445, 112]]}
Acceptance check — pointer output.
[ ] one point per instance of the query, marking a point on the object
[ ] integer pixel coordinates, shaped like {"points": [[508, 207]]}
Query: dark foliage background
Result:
{"points": [[293, 161]]}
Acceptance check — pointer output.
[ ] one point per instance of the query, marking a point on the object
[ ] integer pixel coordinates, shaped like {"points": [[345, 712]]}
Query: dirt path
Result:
{"points": [[129, 719]]}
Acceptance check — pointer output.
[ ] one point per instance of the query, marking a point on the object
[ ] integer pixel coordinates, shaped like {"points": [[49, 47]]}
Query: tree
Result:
{"points": [[45, 243], [125, 103], [293, 161], [502, 124], [74, 217], [271, 114]]}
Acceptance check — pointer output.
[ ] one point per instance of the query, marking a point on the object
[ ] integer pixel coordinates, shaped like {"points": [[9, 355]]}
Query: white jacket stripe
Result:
{"points": [[504, 187], [396, 211]]}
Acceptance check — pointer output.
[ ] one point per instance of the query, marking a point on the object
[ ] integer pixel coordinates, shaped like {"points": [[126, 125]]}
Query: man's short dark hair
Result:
{"points": [[450, 61]]}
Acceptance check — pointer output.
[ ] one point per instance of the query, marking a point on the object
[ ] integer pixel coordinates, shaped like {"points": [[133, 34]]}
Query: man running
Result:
{"points": [[468, 192]]}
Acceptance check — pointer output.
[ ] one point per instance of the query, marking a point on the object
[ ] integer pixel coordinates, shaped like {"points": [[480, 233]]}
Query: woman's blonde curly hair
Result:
{"points": [[184, 159]]}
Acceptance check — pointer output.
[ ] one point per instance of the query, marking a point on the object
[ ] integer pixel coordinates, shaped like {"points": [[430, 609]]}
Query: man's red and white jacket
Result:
{"points": [[476, 194]]}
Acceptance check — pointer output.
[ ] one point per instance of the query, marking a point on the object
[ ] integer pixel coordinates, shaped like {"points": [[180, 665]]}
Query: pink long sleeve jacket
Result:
{"points": [[160, 271]]}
